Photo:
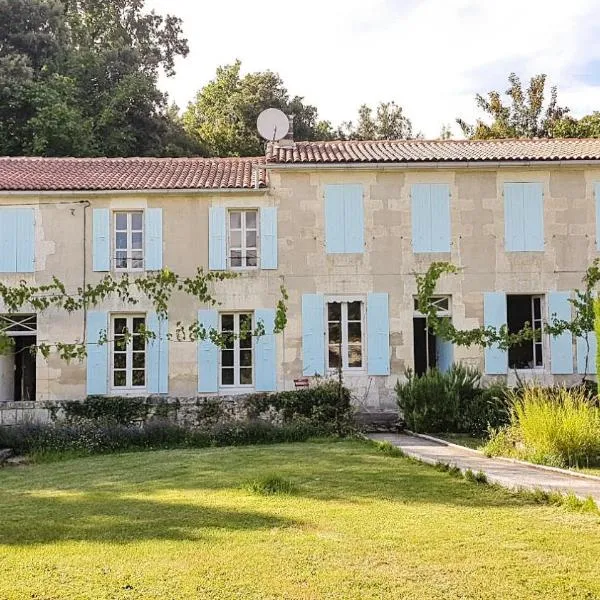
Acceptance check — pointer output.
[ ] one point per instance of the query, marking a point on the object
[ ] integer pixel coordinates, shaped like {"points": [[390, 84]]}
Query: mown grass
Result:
{"points": [[360, 523]]}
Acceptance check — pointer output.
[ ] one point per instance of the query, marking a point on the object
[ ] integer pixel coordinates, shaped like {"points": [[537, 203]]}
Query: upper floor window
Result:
{"points": [[524, 217], [128, 352], [237, 355], [345, 335], [243, 239], [129, 241], [17, 240], [344, 219], [430, 209]]}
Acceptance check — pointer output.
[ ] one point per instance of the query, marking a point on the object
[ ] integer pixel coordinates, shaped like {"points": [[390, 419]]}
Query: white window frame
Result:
{"points": [[236, 351], [535, 325], [129, 250], [243, 249], [344, 301], [129, 387]]}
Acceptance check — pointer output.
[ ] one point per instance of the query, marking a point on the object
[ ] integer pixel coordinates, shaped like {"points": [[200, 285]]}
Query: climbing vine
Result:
{"points": [[157, 287]]}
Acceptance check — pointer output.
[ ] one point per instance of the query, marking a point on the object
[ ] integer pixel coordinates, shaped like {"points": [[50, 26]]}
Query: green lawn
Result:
{"points": [[178, 525]]}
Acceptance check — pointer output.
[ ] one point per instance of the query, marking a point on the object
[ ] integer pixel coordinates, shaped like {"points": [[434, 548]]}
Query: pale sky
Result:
{"points": [[430, 56]]}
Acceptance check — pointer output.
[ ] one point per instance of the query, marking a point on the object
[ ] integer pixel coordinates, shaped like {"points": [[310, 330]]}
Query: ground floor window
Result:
{"points": [[237, 355], [430, 351], [522, 310], [128, 352], [345, 335], [18, 369]]}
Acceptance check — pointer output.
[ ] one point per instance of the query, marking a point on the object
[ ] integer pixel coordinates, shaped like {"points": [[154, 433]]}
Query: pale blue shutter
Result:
{"points": [[8, 240], [25, 218], [597, 188], [533, 212], [334, 219], [97, 354], [514, 217], [421, 217], [586, 359], [157, 366], [440, 218], [154, 239], [494, 315], [561, 346], [444, 354], [378, 330], [217, 235], [101, 239], [266, 352], [354, 219], [208, 353], [268, 238], [313, 335]]}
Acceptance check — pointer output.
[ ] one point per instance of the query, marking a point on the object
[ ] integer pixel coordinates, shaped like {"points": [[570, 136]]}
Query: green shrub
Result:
{"points": [[452, 402], [389, 449], [553, 426], [271, 485], [479, 477], [120, 409]]}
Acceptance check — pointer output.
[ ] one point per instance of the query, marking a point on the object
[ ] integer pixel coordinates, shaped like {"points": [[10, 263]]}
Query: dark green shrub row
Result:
{"points": [[87, 437], [453, 402]]}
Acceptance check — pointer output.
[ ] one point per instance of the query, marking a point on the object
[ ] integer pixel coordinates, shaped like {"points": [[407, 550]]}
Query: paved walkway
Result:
{"points": [[503, 472]]}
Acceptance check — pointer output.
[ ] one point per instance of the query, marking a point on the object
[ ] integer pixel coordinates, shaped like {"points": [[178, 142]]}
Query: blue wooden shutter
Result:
{"points": [[444, 354], [97, 354], [586, 360], [154, 239], [217, 234], [494, 315], [208, 354], [533, 212], [514, 217], [421, 217], [313, 335], [158, 355], [378, 329], [268, 238], [25, 218], [334, 219], [101, 243], [266, 352], [8, 240], [440, 218], [597, 189], [354, 219], [561, 346]]}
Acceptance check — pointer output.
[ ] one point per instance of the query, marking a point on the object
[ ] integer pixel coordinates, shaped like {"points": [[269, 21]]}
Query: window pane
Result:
{"points": [[235, 239], [120, 379], [121, 221], [121, 241], [245, 322], [121, 260], [334, 357], [138, 261], [139, 378], [139, 360], [120, 343], [120, 325], [250, 239], [139, 343], [355, 356], [246, 358], [251, 219], [334, 333], [136, 221], [442, 303], [120, 361], [334, 311], [227, 377], [226, 322], [235, 220], [236, 258], [251, 260], [227, 358], [246, 376], [537, 308], [136, 240], [138, 324], [354, 332], [354, 311]]}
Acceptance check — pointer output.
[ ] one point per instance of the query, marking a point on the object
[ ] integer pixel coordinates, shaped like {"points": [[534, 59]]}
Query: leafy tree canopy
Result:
{"points": [[386, 122]]}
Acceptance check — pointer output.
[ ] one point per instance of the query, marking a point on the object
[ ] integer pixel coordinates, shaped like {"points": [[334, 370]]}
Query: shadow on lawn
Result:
{"points": [[112, 518]]}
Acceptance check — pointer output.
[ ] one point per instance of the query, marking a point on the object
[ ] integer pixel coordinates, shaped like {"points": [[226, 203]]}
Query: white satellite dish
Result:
{"points": [[273, 124]]}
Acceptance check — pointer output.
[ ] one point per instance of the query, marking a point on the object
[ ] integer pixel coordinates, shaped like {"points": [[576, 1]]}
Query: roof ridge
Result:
{"points": [[134, 158]]}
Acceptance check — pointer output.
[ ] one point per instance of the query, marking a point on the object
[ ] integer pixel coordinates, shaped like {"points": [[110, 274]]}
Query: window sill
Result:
{"points": [[236, 391], [141, 392]]}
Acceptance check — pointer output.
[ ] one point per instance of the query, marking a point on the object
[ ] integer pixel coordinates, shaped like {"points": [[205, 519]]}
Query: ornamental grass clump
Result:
{"points": [[554, 426]]}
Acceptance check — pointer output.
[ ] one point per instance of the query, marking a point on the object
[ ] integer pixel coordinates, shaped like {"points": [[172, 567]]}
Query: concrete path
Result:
{"points": [[503, 472]]}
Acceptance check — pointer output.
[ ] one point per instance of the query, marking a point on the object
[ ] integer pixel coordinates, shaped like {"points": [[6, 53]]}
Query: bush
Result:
{"points": [[451, 402], [271, 485], [554, 426]]}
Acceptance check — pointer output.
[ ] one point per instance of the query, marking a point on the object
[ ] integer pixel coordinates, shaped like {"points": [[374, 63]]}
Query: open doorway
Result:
{"points": [[430, 351], [18, 368], [522, 310]]}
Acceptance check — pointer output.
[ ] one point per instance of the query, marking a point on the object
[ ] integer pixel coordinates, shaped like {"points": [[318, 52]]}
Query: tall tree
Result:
{"points": [[527, 114], [223, 115], [387, 122]]}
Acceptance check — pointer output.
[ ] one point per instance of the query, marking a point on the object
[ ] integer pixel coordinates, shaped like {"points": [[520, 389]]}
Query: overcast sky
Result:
{"points": [[430, 56]]}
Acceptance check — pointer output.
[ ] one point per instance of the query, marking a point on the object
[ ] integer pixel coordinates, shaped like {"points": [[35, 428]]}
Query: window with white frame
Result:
{"points": [[345, 333], [129, 240], [429, 350], [525, 310], [128, 352], [243, 239], [237, 355]]}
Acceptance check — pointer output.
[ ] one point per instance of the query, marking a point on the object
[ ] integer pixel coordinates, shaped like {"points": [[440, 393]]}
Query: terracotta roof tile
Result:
{"points": [[434, 151], [78, 174]]}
